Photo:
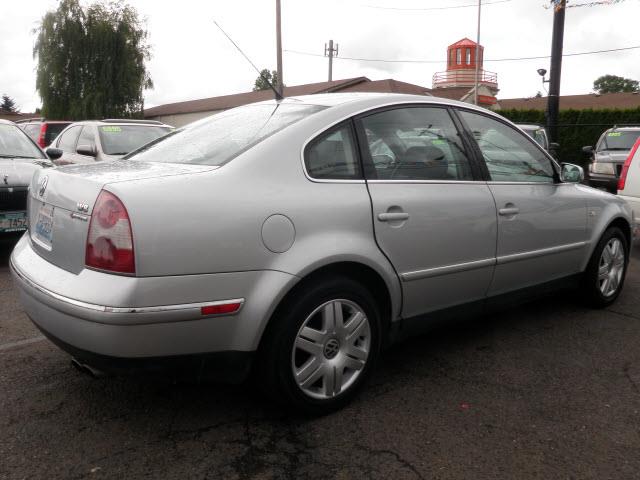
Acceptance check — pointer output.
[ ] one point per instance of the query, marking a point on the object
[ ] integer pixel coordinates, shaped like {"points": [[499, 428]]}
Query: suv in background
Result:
{"points": [[607, 158], [96, 140], [41, 130]]}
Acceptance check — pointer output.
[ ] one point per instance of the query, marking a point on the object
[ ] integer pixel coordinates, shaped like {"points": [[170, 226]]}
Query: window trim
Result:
{"points": [[478, 151], [367, 161], [348, 123]]}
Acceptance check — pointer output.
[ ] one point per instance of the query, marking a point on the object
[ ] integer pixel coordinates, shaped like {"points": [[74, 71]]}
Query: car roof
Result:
{"points": [[529, 125], [6, 122], [128, 122], [370, 100]]}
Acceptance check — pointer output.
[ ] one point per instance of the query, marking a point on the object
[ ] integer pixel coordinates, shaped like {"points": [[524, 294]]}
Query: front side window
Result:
{"points": [[415, 143], [509, 154], [33, 130], [220, 138], [67, 141], [87, 137], [333, 156]]}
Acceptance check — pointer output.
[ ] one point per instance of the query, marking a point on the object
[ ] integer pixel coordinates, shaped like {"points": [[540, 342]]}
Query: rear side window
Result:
{"points": [[68, 140], [415, 143], [510, 155], [333, 155], [53, 129], [33, 130], [217, 139]]}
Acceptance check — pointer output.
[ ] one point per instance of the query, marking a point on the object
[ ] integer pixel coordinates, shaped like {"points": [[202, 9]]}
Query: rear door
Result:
{"points": [[541, 222], [433, 217]]}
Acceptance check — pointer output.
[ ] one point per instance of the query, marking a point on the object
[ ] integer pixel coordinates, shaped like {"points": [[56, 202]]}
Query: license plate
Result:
{"points": [[43, 232], [13, 221]]}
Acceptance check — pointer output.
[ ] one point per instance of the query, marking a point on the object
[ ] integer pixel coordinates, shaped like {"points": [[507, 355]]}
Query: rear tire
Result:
{"points": [[605, 273], [321, 346]]}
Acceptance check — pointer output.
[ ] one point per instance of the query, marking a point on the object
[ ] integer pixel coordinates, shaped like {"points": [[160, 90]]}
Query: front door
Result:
{"points": [[433, 218], [541, 222]]}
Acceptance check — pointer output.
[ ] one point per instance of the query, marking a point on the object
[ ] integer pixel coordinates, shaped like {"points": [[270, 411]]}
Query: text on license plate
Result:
{"points": [[13, 221], [43, 232]]}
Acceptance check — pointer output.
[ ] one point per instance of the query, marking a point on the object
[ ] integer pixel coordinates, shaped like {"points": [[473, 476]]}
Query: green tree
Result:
{"points": [[615, 84], [263, 80], [8, 105], [91, 61]]}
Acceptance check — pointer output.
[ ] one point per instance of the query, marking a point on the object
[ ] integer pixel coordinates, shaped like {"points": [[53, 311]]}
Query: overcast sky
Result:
{"points": [[192, 59]]}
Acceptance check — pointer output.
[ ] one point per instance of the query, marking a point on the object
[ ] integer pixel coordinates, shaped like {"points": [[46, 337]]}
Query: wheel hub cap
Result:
{"points": [[331, 349]]}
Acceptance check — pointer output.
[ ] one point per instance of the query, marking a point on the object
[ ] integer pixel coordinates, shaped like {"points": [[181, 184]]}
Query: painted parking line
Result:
{"points": [[20, 343]]}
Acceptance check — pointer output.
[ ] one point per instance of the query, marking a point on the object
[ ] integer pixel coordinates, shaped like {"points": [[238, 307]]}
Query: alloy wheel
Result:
{"points": [[611, 267]]}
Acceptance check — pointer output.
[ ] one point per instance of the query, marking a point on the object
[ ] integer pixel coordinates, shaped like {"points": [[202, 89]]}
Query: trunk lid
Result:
{"points": [[62, 200]]}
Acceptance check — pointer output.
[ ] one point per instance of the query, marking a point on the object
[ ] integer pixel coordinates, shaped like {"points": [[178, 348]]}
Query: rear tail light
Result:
{"points": [[42, 136], [627, 163], [110, 240]]}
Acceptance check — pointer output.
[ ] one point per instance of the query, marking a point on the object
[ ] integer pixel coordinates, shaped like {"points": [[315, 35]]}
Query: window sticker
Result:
{"points": [[111, 129]]}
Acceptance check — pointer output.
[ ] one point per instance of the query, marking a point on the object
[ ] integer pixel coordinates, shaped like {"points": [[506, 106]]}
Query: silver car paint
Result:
{"points": [[194, 229]]}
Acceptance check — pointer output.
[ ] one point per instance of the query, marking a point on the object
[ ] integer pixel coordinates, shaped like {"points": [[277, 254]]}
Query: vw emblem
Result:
{"points": [[331, 348], [42, 185]]}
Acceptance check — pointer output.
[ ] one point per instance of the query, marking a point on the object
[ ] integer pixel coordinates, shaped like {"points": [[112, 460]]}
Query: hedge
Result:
{"points": [[577, 128]]}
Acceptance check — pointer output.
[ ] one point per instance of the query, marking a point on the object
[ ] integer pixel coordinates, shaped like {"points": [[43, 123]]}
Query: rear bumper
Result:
{"points": [[608, 182], [114, 321]]}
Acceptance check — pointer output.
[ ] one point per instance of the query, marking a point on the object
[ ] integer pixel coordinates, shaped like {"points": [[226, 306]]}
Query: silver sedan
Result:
{"points": [[298, 238]]}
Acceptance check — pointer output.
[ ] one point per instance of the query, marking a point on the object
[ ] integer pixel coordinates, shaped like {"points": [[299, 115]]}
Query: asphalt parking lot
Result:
{"points": [[550, 390]]}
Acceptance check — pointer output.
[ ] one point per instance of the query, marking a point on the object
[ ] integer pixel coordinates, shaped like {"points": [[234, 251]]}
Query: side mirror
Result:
{"points": [[54, 153], [587, 150], [88, 150], [571, 173]]}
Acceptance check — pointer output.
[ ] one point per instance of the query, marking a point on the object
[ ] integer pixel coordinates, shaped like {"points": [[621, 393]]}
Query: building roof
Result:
{"points": [[465, 42], [230, 101], [577, 102], [387, 86], [453, 93], [14, 117]]}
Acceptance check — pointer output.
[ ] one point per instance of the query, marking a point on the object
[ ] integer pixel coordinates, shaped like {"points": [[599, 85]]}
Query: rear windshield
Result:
{"points": [[618, 140], [15, 144], [123, 139], [218, 139], [53, 129]]}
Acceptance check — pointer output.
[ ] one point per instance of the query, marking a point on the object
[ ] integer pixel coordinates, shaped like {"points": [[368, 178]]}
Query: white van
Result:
{"points": [[629, 181]]}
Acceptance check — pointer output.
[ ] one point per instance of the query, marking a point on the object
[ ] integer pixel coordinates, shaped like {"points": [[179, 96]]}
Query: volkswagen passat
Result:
{"points": [[300, 237]]}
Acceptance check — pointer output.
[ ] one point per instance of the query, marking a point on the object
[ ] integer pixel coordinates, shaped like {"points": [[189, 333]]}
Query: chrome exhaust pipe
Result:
{"points": [[86, 369]]}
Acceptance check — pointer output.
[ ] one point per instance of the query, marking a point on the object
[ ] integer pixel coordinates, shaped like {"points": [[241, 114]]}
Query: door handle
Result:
{"points": [[393, 216], [508, 211]]}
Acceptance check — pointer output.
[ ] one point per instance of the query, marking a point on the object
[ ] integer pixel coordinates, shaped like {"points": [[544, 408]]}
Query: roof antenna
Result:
{"points": [[278, 96]]}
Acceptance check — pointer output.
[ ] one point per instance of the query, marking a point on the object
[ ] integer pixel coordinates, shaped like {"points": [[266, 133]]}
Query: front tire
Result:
{"points": [[321, 346], [605, 274]]}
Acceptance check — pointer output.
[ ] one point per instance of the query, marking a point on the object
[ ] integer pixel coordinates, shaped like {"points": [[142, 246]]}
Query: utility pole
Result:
{"points": [[475, 92], [553, 100], [280, 82], [329, 52]]}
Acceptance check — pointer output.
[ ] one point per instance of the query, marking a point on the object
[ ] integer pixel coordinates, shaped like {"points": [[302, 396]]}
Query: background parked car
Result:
{"points": [[607, 158], [267, 235], [96, 140], [629, 182], [41, 130], [537, 132], [19, 157]]}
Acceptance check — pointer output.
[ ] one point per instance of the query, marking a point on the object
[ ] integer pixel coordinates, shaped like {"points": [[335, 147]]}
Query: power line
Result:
{"points": [[515, 59], [434, 8]]}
